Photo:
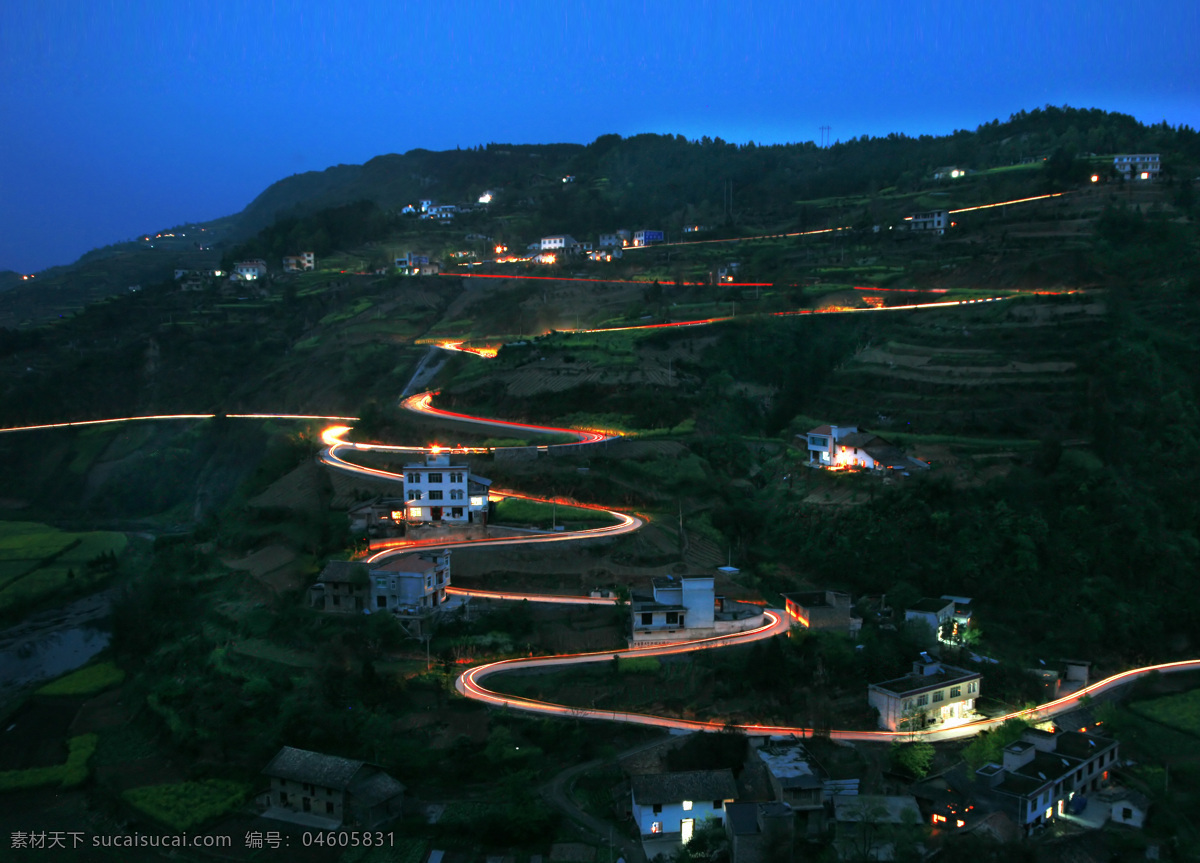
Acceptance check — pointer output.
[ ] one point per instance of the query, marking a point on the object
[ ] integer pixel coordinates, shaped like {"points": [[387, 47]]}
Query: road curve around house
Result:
{"points": [[470, 682]]}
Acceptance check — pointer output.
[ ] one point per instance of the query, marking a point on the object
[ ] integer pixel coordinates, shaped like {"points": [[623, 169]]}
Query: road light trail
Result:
{"points": [[168, 417]]}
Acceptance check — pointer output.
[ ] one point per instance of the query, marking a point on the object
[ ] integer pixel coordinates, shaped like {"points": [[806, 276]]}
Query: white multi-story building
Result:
{"points": [[936, 221], [558, 241], [300, 262], [250, 270], [616, 239], [438, 491], [1139, 166], [411, 583], [930, 694]]}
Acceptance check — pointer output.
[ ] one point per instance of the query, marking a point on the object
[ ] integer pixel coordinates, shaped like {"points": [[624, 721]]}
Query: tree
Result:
{"points": [[912, 758]]}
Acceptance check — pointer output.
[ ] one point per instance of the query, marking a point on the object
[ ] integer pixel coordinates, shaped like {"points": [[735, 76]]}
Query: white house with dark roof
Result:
{"points": [[840, 447], [668, 807], [932, 693], [326, 792], [441, 491]]}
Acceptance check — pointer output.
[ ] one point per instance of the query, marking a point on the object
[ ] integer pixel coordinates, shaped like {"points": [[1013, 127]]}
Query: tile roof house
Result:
{"points": [[326, 792], [667, 807]]}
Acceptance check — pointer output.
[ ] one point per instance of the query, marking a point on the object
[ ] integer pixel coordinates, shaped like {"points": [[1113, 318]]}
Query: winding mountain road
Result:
{"points": [[471, 682]]}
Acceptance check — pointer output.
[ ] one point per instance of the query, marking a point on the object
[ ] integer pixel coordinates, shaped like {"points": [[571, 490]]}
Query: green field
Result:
{"points": [[512, 510], [1178, 711], [37, 560]]}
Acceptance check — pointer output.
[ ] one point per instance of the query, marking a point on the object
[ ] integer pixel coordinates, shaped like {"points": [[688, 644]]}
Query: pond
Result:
{"points": [[53, 642]]}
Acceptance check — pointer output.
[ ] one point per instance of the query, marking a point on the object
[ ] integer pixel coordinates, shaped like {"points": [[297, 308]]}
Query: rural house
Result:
{"points": [[410, 586], [822, 610], [327, 792], [931, 693], [668, 807], [681, 609], [438, 491], [840, 447]]}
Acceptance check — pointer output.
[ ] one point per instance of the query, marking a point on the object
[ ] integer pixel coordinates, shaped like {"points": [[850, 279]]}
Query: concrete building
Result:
{"points": [[935, 613], [647, 237], [687, 608], [936, 221], [842, 447], [1139, 166], [561, 242], [409, 586], [250, 270], [1047, 774], [299, 263], [822, 610], [440, 491], [617, 239], [932, 693]]}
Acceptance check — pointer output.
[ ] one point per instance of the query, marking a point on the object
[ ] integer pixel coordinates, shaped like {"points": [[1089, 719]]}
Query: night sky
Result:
{"points": [[120, 118]]}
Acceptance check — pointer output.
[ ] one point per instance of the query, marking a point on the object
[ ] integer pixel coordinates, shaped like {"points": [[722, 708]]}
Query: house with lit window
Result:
{"points": [[845, 447], [249, 271], [935, 221], [668, 807], [325, 792], [616, 240], [822, 610], [438, 490], [1139, 166], [935, 613], [647, 237], [932, 693], [1042, 776]]}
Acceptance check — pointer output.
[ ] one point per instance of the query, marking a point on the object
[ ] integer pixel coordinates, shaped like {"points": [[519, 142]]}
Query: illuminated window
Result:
{"points": [[656, 827], [417, 512], [687, 805]]}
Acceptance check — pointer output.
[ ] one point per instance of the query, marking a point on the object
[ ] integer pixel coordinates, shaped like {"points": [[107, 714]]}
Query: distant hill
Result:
{"points": [[657, 181]]}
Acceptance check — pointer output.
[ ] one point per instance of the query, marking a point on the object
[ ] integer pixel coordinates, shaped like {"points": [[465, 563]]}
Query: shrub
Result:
{"points": [[70, 774], [187, 804]]}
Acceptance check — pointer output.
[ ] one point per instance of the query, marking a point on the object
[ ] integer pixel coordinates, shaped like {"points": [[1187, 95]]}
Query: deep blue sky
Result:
{"points": [[118, 118]]}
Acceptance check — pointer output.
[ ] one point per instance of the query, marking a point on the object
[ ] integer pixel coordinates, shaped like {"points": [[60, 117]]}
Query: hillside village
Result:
{"points": [[789, 528]]}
